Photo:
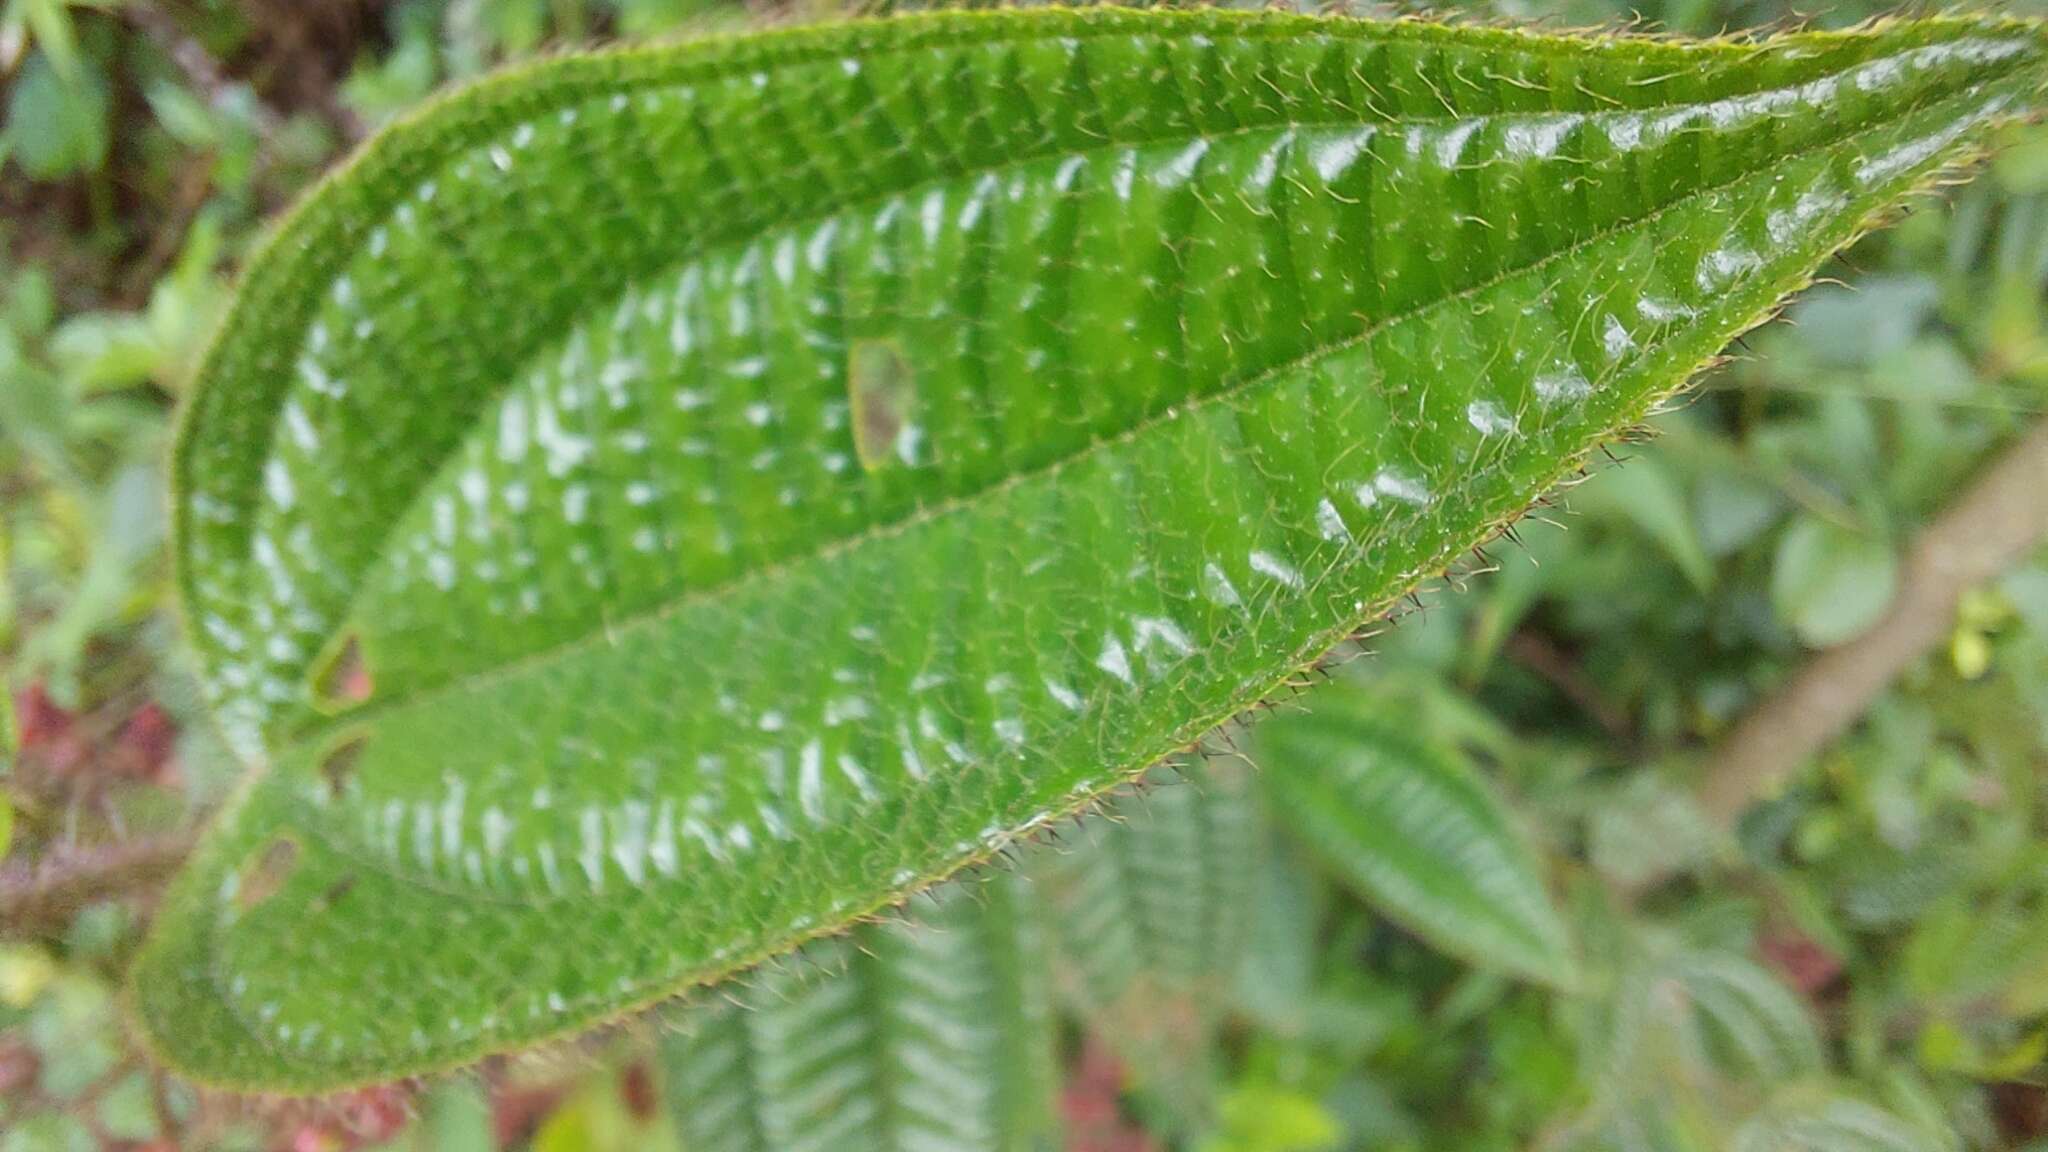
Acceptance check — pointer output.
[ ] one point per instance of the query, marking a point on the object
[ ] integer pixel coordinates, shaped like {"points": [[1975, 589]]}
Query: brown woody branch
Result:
{"points": [[1541, 655], [1997, 521], [47, 894]]}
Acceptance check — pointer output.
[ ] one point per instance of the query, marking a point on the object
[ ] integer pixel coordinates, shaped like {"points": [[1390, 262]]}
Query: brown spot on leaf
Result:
{"points": [[341, 680], [338, 764], [264, 874], [335, 892], [881, 388]]}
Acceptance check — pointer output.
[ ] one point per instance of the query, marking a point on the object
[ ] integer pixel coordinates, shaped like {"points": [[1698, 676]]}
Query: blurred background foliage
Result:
{"points": [[1503, 921]]}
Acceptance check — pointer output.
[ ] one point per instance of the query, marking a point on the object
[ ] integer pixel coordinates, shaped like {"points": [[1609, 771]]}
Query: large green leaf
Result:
{"points": [[1807, 1123], [1157, 890], [654, 507], [934, 1030], [1685, 1036], [1151, 906], [1419, 834], [926, 1032]]}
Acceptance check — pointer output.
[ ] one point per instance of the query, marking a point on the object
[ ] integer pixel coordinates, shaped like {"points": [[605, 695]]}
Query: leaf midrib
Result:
{"points": [[781, 568], [1324, 804]]}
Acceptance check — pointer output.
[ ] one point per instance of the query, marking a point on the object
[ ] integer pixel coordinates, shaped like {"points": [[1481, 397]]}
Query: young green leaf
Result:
{"points": [[1419, 834], [934, 1031], [654, 507], [1831, 583], [1746, 1020]]}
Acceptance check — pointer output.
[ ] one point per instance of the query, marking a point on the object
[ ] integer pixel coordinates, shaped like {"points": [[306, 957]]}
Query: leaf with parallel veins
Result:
{"points": [[931, 1031], [1417, 832], [1149, 910]]}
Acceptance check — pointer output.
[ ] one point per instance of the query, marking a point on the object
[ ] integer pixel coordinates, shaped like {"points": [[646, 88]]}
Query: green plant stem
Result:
{"points": [[1997, 521]]}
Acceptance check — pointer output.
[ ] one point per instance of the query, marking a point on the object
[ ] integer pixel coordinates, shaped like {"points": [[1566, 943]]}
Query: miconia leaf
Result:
{"points": [[1150, 911], [931, 1031], [654, 507], [1419, 834], [1677, 1013], [1744, 1018], [1158, 891], [1804, 1123]]}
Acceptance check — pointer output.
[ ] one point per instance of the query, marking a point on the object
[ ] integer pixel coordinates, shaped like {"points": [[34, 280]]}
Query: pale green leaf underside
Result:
{"points": [[1155, 891], [933, 1031], [1419, 834], [760, 476], [1149, 906]]}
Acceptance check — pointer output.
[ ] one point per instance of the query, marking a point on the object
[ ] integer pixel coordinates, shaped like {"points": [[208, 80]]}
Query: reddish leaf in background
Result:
{"points": [[375, 1115], [636, 1089], [1800, 959], [48, 732], [1091, 1105], [20, 1068], [2021, 1111], [516, 1112], [316, 1138], [367, 1118], [145, 744]]}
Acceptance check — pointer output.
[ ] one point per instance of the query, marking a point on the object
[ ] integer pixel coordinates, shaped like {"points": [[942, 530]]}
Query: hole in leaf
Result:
{"points": [[881, 388], [335, 892], [338, 764], [341, 679], [264, 873]]}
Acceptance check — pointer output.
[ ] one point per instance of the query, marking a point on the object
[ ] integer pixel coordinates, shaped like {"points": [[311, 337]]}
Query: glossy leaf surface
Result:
{"points": [[655, 507], [1420, 835]]}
